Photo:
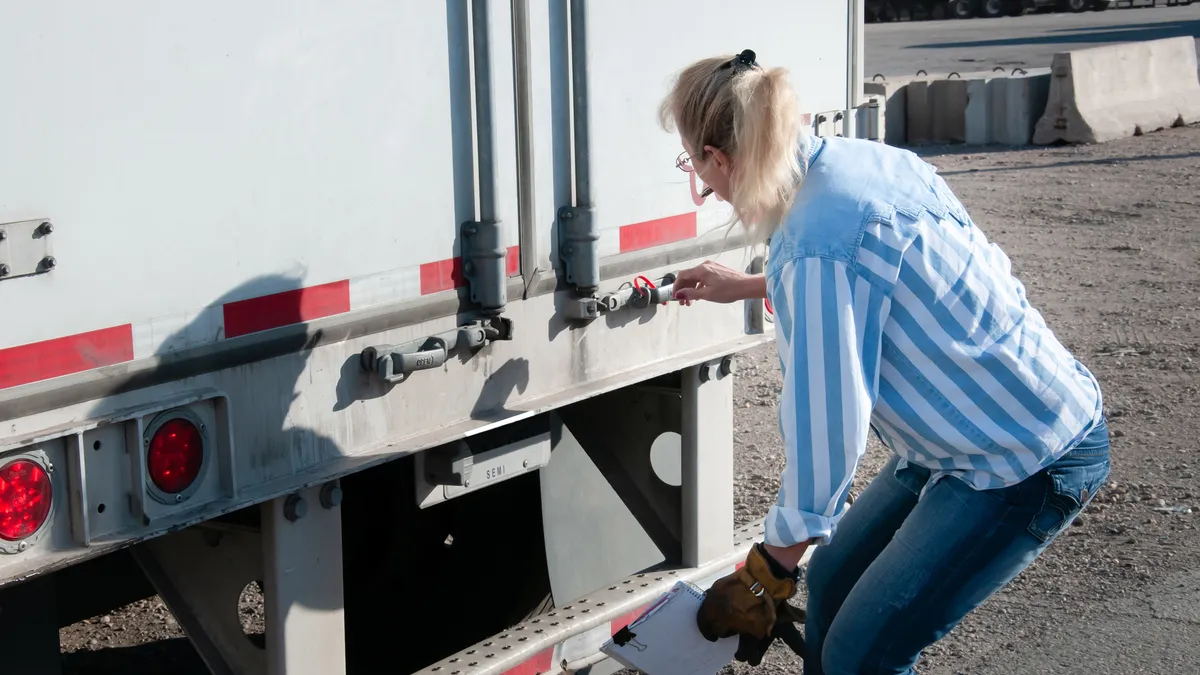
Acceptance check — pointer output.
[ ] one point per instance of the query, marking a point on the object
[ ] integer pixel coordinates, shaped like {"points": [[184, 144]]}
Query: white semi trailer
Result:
{"points": [[350, 299]]}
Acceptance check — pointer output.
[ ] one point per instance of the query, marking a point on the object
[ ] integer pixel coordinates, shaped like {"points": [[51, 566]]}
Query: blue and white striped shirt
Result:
{"points": [[894, 312]]}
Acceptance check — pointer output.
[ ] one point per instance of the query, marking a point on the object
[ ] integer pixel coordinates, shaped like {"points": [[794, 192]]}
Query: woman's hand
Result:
{"points": [[717, 283]]}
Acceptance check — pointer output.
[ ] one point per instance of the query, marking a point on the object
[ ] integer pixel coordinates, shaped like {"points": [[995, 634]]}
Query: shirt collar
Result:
{"points": [[810, 147]]}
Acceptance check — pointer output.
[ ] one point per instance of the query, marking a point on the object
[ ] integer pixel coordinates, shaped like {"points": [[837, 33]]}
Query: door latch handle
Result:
{"points": [[395, 363]]}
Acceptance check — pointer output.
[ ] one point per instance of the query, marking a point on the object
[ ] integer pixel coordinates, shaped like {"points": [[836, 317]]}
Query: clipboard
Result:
{"points": [[664, 639]]}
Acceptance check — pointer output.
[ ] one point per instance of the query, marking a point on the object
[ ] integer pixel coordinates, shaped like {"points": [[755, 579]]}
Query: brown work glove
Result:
{"points": [[745, 602], [751, 649]]}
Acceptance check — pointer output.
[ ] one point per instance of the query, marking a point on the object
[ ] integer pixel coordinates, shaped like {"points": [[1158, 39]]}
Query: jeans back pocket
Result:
{"points": [[1070, 489]]}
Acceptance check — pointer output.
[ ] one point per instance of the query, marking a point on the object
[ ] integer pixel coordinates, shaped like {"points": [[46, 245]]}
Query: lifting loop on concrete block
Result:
{"points": [[1023, 72], [954, 74]]}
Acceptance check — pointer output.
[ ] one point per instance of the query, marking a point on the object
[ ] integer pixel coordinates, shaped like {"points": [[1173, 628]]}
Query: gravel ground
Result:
{"points": [[1105, 240]]}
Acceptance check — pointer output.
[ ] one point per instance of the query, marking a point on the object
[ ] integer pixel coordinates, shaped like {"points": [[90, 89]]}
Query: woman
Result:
{"points": [[894, 315]]}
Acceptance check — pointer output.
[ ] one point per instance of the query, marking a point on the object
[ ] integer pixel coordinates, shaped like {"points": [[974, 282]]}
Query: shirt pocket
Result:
{"points": [[1070, 489]]}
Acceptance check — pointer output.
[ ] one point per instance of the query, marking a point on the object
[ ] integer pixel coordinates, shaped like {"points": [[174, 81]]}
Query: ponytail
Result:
{"points": [[749, 113]]}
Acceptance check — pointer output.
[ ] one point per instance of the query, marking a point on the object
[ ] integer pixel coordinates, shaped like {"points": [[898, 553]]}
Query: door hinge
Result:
{"points": [[484, 265], [577, 237]]}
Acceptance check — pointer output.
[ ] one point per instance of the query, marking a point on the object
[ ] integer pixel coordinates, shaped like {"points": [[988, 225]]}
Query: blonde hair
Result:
{"points": [[749, 113]]}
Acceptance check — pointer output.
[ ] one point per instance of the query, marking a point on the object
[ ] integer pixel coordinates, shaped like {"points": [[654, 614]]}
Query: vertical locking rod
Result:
{"points": [[577, 235], [484, 254]]}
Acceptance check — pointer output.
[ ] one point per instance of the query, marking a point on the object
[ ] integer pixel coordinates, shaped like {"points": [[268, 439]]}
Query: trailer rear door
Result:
{"points": [[634, 48], [193, 156]]}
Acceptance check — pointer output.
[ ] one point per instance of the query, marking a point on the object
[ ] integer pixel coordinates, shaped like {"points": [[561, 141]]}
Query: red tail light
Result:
{"points": [[25, 498], [176, 456]]}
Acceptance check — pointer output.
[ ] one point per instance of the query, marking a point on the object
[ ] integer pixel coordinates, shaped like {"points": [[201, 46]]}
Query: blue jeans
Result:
{"points": [[899, 572]]}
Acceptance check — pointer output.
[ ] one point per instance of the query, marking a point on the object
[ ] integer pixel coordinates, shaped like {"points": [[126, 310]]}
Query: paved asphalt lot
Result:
{"points": [[903, 48]]}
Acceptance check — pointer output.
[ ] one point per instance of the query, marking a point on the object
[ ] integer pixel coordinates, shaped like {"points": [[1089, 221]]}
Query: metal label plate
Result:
{"points": [[503, 463], [25, 248]]}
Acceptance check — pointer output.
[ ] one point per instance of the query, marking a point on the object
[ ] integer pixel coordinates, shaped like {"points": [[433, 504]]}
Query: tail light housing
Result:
{"points": [[176, 456], [26, 500]]}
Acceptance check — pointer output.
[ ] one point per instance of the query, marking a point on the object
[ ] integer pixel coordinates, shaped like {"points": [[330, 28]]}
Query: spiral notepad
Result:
{"points": [[664, 640]]}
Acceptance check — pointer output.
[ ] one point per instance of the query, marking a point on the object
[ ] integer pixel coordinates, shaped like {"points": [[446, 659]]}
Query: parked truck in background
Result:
{"points": [[365, 302], [891, 10]]}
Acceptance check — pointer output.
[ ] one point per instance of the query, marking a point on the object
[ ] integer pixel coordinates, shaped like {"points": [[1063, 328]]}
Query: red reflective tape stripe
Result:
{"points": [[739, 566], [95, 349], [658, 232], [65, 355], [541, 663], [286, 308], [512, 264], [444, 275], [625, 619]]}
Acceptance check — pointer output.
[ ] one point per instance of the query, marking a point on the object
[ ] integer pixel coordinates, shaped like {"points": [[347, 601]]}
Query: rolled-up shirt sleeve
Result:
{"points": [[828, 330]]}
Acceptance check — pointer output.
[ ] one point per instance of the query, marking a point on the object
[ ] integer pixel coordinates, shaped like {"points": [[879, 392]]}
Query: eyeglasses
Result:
{"points": [[684, 162]]}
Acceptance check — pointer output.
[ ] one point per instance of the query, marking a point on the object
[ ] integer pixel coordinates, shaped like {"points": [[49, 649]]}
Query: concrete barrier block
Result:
{"points": [[894, 104], [894, 92], [869, 118], [1015, 105], [947, 110], [919, 120], [1105, 93], [978, 112]]}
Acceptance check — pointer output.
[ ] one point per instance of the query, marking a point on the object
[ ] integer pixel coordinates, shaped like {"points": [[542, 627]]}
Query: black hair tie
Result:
{"points": [[743, 61]]}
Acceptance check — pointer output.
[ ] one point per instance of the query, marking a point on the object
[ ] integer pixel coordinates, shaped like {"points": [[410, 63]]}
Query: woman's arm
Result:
{"points": [[828, 327], [718, 283]]}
